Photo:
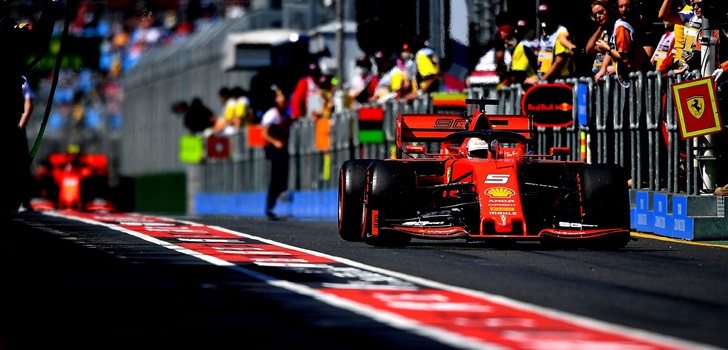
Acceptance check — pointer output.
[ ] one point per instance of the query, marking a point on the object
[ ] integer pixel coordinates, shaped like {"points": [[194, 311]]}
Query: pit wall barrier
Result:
{"points": [[313, 205], [695, 218], [634, 126]]}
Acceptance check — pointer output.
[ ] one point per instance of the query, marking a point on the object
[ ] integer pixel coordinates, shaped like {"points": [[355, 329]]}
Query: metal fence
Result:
{"points": [[632, 126]]}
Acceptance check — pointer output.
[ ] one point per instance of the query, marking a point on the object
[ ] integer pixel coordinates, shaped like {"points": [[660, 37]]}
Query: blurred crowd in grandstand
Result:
{"points": [[526, 48], [105, 40], [624, 37]]}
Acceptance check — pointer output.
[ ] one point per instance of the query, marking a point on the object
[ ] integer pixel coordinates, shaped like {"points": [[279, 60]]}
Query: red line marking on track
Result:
{"points": [[452, 315]]}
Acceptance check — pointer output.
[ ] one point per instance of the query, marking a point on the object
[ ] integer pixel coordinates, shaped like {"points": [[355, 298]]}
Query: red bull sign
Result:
{"points": [[550, 105], [696, 107]]}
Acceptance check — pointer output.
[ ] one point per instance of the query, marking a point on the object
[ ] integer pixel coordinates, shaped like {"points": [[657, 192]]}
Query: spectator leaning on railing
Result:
{"points": [[196, 117], [604, 15], [364, 81], [663, 60], [555, 48], [428, 68], [625, 47], [306, 86], [524, 61], [692, 23], [241, 108]]}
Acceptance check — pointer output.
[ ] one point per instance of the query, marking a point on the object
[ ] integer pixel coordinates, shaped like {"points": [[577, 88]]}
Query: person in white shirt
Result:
{"points": [[275, 133]]}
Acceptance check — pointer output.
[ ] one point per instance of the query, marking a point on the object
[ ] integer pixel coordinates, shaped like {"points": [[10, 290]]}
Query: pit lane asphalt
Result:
{"points": [[65, 283]]}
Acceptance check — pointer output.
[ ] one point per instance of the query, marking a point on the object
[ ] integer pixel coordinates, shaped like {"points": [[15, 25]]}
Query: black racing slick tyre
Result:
{"points": [[390, 190], [391, 185], [352, 182], [606, 201], [606, 196]]}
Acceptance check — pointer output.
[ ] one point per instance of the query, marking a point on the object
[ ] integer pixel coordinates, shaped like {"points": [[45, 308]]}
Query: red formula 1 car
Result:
{"points": [[73, 181], [438, 188]]}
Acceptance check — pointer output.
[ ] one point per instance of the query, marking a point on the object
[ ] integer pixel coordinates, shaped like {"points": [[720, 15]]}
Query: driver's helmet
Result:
{"points": [[477, 148]]}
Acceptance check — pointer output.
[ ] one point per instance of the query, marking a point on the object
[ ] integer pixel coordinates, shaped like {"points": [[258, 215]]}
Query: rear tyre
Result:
{"points": [[352, 181]]}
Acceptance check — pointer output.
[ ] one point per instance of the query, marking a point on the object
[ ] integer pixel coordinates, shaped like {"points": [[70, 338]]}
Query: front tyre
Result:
{"points": [[606, 203], [606, 196], [390, 192], [352, 181], [391, 186]]}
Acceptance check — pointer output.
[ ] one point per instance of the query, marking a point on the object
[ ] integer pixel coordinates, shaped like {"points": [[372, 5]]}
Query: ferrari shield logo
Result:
{"points": [[696, 106]]}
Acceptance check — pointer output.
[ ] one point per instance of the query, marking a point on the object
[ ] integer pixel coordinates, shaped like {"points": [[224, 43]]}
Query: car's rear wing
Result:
{"points": [[516, 123], [428, 127], [435, 127]]}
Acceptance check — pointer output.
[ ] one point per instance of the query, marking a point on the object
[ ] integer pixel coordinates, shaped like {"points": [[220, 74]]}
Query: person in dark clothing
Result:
{"points": [[276, 126], [368, 81], [198, 117], [21, 43]]}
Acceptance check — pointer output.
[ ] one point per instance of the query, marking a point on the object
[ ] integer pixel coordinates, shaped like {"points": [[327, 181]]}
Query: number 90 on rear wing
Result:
{"points": [[436, 127]]}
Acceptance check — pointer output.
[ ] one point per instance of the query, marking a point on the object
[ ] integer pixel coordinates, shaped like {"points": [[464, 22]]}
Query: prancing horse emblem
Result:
{"points": [[696, 106]]}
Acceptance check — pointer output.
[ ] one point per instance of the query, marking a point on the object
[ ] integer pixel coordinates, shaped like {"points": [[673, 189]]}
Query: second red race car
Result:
{"points": [[73, 181], [474, 177]]}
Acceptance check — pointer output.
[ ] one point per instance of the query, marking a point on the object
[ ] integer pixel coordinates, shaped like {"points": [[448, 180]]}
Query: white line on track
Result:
{"points": [[444, 336]]}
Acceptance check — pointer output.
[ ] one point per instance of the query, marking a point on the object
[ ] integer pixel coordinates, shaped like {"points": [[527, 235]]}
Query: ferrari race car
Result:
{"points": [[73, 181], [440, 187]]}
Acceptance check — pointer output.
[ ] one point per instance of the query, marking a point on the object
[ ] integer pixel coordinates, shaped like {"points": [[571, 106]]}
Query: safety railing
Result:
{"points": [[633, 126]]}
